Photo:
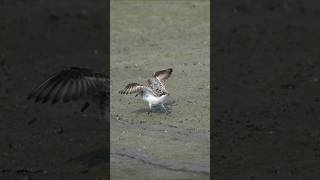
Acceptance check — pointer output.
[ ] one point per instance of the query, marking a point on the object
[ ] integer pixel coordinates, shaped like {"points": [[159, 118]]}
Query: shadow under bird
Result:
{"points": [[72, 84], [155, 92]]}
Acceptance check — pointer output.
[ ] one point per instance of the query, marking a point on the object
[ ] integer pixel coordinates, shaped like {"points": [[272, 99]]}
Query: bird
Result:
{"points": [[71, 84], [155, 92]]}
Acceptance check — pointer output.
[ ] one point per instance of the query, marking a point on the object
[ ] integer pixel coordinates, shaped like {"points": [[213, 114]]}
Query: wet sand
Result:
{"points": [[147, 36]]}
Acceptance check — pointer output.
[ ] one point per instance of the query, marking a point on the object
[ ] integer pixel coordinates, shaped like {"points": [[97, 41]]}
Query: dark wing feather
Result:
{"points": [[69, 84], [163, 75], [132, 88]]}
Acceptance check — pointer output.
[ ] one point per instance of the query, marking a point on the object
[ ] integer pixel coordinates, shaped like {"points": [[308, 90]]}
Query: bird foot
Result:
{"points": [[149, 112]]}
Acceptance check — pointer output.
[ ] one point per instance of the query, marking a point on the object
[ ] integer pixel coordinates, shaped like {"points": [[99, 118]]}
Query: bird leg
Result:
{"points": [[103, 104], [150, 108], [84, 107], [165, 109]]}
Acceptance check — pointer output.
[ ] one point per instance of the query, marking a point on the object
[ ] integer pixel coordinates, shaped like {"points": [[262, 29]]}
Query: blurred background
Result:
{"points": [[38, 38], [266, 89]]}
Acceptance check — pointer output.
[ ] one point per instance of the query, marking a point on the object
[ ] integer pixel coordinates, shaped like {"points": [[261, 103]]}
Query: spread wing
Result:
{"points": [[157, 87], [163, 75], [132, 88], [69, 84]]}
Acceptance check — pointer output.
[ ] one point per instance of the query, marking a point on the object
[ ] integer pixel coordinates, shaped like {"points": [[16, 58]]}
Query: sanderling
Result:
{"points": [[71, 84], [154, 92]]}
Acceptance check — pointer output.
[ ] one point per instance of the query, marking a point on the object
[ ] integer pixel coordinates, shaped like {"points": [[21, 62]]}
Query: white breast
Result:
{"points": [[147, 96]]}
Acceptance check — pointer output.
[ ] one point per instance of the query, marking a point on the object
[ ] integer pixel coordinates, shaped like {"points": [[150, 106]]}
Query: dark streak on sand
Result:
{"points": [[165, 165]]}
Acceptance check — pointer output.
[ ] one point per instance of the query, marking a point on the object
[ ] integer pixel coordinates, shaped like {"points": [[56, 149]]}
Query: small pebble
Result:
{"points": [[315, 79], [30, 122], [59, 130]]}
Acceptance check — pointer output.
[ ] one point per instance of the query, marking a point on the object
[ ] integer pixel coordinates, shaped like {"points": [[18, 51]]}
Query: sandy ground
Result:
{"points": [[265, 100], [44, 141], [147, 36]]}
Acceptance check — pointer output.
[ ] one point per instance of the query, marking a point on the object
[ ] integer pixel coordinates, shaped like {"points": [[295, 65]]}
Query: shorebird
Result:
{"points": [[72, 84], [154, 92]]}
